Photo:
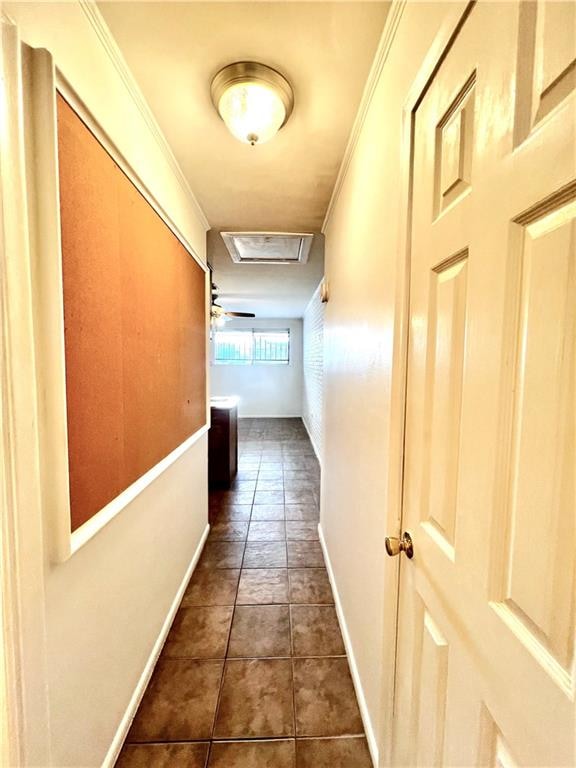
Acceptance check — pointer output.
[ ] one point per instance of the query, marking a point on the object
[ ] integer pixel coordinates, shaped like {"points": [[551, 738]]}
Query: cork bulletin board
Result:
{"points": [[134, 325]]}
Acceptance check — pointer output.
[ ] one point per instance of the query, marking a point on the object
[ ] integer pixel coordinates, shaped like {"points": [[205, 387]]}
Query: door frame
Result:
{"points": [[23, 668], [455, 17]]}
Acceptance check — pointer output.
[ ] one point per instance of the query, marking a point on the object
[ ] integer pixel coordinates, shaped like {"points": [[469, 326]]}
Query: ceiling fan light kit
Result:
{"points": [[218, 315], [254, 100]]}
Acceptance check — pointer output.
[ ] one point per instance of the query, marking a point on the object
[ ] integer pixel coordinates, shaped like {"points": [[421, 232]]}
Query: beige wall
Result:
{"points": [[364, 268], [103, 610]]}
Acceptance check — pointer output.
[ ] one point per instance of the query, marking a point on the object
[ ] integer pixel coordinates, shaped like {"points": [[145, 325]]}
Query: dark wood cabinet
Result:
{"points": [[223, 443]]}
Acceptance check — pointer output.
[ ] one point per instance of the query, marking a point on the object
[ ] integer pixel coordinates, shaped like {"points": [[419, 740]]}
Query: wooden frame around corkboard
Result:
{"points": [[123, 345]]}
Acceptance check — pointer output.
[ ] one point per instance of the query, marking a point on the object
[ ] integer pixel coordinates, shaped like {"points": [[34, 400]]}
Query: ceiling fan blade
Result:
{"points": [[240, 314]]}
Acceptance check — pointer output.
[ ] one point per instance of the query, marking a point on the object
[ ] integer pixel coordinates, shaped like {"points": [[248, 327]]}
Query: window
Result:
{"points": [[252, 347], [271, 346]]}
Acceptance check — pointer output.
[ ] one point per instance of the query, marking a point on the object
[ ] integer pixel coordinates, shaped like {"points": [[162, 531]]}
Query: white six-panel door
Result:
{"points": [[485, 667]]}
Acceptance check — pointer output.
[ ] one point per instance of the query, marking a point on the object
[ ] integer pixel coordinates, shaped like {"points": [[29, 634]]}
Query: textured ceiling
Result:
{"points": [[325, 49]]}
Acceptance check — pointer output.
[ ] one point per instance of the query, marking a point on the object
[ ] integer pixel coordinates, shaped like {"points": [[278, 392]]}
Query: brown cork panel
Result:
{"points": [[134, 312]]}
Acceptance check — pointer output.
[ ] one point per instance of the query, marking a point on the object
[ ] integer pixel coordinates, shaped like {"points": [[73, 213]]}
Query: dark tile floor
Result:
{"points": [[254, 673]]}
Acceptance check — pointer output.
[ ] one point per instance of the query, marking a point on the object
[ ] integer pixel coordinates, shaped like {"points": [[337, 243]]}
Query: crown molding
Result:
{"points": [[92, 13], [386, 40]]}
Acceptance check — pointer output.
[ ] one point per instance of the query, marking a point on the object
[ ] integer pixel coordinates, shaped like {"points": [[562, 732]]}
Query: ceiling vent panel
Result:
{"points": [[268, 247]]}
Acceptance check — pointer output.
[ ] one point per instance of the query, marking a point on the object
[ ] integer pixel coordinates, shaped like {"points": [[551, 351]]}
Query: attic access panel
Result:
{"points": [[268, 247]]}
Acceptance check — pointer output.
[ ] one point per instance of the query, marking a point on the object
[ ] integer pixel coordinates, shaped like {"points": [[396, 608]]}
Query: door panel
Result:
{"points": [[485, 668], [433, 674], [443, 393], [547, 60], [453, 154], [540, 503]]}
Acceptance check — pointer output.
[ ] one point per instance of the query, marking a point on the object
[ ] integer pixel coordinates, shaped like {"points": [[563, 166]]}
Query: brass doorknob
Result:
{"points": [[395, 546]]}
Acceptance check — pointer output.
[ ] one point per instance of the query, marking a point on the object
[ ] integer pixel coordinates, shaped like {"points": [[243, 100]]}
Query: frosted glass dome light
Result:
{"points": [[254, 100]]}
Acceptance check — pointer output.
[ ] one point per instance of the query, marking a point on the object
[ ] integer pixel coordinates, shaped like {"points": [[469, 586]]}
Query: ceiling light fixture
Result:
{"points": [[254, 100]]}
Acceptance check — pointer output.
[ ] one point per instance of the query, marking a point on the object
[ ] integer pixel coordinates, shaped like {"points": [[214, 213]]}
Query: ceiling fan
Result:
{"points": [[218, 314]]}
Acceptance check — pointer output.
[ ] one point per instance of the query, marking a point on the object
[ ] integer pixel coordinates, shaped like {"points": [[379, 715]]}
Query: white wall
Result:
{"points": [[313, 371], [104, 609], [264, 390], [363, 408]]}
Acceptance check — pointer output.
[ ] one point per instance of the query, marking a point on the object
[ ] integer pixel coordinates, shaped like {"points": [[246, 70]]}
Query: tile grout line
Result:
{"points": [[219, 700], [294, 723], [249, 738]]}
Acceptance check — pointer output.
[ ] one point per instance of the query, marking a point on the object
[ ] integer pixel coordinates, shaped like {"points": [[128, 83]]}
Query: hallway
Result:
{"points": [[356, 221], [255, 656]]}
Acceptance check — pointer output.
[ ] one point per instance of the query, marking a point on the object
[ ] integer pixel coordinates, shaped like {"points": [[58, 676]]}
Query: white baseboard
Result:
{"points": [[132, 708], [366, 719], [314, 446]]}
